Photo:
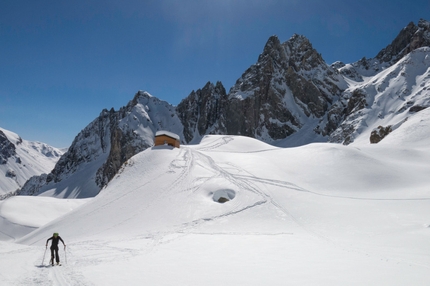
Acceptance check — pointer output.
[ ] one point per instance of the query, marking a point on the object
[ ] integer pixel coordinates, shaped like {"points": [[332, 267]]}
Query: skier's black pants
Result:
{"points": [[57, 257]]}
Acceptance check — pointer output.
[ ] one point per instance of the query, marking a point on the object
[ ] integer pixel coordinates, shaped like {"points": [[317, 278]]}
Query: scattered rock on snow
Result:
{"points": [[379, 133], [223, 195], [417, 108], [222, 200]]}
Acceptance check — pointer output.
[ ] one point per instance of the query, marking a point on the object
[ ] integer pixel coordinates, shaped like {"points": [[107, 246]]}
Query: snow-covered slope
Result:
{"points": [[20, 215], [320, 214], [386, 100], [21, 159]]}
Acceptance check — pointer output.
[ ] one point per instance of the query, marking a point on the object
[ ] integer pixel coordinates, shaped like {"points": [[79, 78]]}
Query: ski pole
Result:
{"points": [[43, 259], [65, 253]]}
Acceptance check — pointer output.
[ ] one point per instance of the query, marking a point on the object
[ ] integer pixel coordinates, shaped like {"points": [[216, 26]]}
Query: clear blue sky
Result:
{"points": [[62, 62]]}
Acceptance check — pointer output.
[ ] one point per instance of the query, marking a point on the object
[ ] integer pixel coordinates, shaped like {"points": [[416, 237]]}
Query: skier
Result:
{"points": [[54, 247]]}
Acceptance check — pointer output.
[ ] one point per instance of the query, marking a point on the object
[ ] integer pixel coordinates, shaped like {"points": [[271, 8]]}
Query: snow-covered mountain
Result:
{"points": [[288, 88], [21, 159], [290, 97], [394, 82], [98, 151], [410, 38], [381, 103], [234, 210]]}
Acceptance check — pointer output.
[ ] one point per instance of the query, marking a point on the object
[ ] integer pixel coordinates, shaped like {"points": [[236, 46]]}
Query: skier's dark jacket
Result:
{"points": [[55, 241]]}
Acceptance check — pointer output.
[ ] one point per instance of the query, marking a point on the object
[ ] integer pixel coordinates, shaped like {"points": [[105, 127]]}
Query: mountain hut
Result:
{"points": [[166, 138]]}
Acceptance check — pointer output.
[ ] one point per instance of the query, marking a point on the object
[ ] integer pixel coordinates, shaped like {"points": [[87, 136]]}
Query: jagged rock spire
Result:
{"points": [[410, 38], [7, 148], [201, 112]]}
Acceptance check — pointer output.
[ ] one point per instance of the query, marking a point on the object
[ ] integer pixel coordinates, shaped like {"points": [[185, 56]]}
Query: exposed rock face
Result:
{"points": [[410, 38], [417, 108], [350, 103], [7, 148], [202, 112], [273, 98], [379, 133], [105, 137], [132, 129], [257, 107], [294, 64], [254, 102], [33, 185]]}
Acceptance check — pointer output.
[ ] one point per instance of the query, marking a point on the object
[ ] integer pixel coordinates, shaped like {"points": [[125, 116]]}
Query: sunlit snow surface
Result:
{"points": [[320, 214]]}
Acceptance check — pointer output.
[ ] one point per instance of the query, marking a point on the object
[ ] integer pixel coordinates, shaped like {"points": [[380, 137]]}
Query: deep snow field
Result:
{"points": [[319, 214]]}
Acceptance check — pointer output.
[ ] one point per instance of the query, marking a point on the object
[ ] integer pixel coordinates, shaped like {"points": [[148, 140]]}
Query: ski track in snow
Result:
{"points": [[182, 163], [244, 183], [292, 186], [45, 274], [81, 256], [187, 160]]}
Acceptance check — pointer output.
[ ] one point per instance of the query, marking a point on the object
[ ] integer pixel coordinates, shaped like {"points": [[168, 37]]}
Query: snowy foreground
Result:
{"points": [[320, 214]]}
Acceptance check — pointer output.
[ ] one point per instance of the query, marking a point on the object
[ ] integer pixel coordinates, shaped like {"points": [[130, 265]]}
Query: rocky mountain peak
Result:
{"points": [[298, 44], [289, 84], [141, 94], [273, 55], [272, 44], [301, 55], [99, 150], [410, 38], [397, 86], [201, 112], [423, 24], [297, 49], [7, 148]]}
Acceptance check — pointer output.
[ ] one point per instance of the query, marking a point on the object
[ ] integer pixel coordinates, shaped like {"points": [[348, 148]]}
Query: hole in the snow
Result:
{"points": [[222, 196]]}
